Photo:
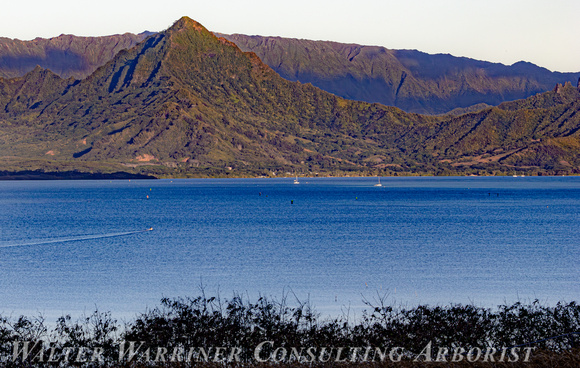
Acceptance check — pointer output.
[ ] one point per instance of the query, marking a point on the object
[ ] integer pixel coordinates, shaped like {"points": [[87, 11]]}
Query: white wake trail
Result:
{"points": [[71, 239]]}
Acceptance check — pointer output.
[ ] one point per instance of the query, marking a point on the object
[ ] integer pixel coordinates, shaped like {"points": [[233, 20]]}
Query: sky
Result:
{"points": [[544, 32]]}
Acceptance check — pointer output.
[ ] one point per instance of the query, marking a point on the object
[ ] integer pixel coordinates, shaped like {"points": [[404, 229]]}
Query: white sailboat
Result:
{"points": [[296, 180], [379, 183]]}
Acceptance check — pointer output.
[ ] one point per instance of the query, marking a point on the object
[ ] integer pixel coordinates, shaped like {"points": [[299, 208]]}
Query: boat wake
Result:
{"points": [[71, 239]]}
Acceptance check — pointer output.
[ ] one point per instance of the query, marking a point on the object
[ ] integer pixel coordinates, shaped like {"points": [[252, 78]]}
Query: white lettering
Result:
{"points": [[258, 350], [426, 353], [25, 352], [392, 354], [488, 356], [470, 357], [235, 355], [515, 356], [132, 352], [98, 355], [458, 354], [442, 354], [528, 352], [338, 353], [279, 355]]}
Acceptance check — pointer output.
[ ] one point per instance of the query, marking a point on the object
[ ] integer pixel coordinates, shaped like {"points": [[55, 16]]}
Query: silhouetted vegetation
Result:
{"points": [[182, 332]]}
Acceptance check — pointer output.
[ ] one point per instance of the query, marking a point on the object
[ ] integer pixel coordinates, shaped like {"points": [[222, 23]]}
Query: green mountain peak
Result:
{"points": [[186, 22], [185, 102]]}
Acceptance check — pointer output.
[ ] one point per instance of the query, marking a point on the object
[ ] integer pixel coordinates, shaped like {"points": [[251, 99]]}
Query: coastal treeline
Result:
{"points": [[211, 331]]}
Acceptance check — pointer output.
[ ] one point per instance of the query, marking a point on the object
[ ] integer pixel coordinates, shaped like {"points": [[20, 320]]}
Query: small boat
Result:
{"points": [[379, 184], [150, 229], [296, 180]]}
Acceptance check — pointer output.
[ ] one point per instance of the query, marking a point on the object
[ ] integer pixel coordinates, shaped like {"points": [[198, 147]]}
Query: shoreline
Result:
{"points": [[122, 175]]}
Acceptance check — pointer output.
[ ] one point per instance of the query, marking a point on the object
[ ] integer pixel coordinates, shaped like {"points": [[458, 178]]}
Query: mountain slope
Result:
{"points": [[409, 79], [186, 97], [185, 102], [65, 55], [541, 131]]}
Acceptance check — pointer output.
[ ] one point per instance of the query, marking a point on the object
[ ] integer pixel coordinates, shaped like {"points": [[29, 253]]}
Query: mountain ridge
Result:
{"points": [[408, 79], [66, 55], [186, 103]]}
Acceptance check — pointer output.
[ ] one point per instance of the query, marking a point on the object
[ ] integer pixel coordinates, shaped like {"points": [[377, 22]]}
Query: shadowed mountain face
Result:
{"points": [[65, 55], [408, 79], [185, 102], [411, 80], [180, 98]]}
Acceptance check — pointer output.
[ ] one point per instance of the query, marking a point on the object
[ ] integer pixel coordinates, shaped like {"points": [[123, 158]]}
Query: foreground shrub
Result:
{"points": [[186, 332]]}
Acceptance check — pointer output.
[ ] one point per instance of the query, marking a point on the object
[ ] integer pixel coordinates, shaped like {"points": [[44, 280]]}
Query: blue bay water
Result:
{"points": [[72, 246]]}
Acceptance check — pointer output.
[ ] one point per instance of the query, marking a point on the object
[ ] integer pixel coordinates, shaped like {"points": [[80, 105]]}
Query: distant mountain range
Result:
{"points": [[65, 55], [408, 79], [411, 80], [187, 103]]}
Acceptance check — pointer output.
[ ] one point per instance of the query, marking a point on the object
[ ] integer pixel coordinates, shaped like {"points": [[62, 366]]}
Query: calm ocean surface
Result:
{"points": [[70, 246]]}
